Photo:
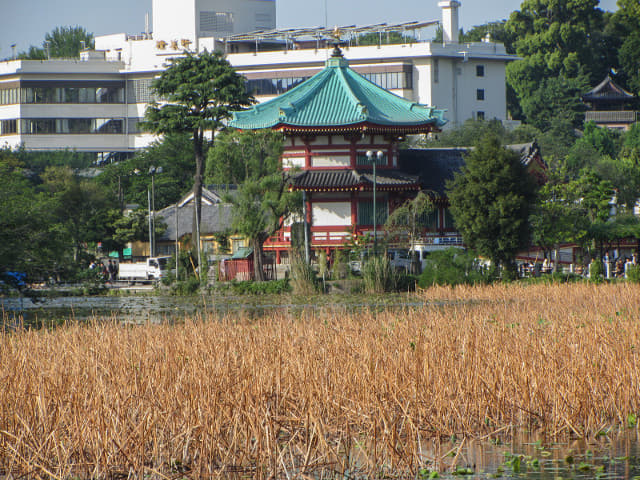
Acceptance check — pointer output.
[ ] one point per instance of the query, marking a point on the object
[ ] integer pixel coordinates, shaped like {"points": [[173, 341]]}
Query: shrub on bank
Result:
{"points": [[249, 287], [596, 271], [379, 275], [633, 273], [452, 267]]}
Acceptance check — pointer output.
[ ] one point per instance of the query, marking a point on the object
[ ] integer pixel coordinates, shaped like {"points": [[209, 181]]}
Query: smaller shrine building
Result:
{"points": [[610, 105]]}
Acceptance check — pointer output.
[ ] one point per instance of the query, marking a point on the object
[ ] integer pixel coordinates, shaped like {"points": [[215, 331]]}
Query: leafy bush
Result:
{"points": [[303, 277], [633, 273], [187, 287], [379, 275], [596, 271], [249, 287], [452, 267], [340, 268]]}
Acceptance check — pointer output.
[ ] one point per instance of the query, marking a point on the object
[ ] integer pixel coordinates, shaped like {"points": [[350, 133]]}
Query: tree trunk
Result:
{"points": [[258, 270], [198, 140]]}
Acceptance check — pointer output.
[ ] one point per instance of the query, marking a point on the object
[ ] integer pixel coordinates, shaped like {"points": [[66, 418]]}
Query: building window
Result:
{"points": [[436, 70], [216, 22], [480, 116], [73, 95], [277, 86], [479, 70], [8, 127], [428, 220], [480, 94], [140, 91], [391, 80], [448, 220], [50, 126], [365, 211], [273, 86], [9, 96], [363, 160]]}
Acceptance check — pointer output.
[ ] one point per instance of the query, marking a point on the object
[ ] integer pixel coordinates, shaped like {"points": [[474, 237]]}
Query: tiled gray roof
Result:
{"points": [[215, 219], [350, 179]]}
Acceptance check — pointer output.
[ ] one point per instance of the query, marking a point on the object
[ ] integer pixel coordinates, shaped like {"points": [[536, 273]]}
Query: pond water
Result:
{"points": [[143, 308], [609, 456]]}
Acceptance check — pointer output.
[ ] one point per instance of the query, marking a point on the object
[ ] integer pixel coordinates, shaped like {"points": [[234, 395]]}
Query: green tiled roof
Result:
{"points": [[338, 96]]}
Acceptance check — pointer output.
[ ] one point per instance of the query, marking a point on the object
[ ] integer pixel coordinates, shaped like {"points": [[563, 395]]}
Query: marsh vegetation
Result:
{"points": [[320, 393]]}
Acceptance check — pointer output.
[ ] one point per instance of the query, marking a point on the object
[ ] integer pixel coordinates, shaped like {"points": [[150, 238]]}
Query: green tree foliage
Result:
{"points": [[384, 38], [129, 180], [623, 31], [558, 217], [563, 52], [61, 42], [497, 34], [491, 199], [30, 242], [410, 218], [81, 207], [595, 145], [452, 266], [473, 131], [200, 92], [263, 201]]}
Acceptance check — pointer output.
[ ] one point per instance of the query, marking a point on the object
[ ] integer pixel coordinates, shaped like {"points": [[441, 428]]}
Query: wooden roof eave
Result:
{"points": [[362, 187], [363, 127]]}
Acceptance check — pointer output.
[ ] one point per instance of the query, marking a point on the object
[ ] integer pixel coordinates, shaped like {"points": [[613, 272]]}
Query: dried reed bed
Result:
{"points": [[318, 393]]}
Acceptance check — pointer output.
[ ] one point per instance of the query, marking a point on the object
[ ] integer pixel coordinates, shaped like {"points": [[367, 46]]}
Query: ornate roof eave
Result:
{"points": [[363, 187], [363, 127]]}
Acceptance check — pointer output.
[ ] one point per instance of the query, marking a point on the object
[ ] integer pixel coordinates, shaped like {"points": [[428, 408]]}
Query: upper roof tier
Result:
{"points": [[337, 98], [608, 90]]}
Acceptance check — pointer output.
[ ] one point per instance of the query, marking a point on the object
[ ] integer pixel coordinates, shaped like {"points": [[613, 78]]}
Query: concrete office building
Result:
{"points": [[95, 103]]}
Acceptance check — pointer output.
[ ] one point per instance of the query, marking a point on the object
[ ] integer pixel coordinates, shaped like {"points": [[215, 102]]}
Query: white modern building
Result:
{"points": [[95, 103]]}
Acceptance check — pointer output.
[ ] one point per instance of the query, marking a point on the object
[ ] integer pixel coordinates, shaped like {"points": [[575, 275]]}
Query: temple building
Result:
{"points": [[342, 134], [610, 105]]}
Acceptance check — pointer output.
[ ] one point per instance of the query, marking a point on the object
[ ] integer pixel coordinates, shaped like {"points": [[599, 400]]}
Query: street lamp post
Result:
{"points": [[152, 210], [374, 161]]}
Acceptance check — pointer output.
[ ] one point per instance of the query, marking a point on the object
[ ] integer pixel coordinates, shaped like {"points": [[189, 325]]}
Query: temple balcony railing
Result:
{"points": [[611, 116]]}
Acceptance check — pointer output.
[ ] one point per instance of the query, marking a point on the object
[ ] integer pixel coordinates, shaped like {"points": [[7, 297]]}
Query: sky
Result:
{"points": [[25, 22]]}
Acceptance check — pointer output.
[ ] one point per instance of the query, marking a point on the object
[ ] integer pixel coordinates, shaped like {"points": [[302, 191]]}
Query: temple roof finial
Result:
{"points": [[336, 42]]}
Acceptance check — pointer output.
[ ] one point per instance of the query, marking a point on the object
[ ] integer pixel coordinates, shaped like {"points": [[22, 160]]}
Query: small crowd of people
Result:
{"points": [[615, 267], [109, 271]]}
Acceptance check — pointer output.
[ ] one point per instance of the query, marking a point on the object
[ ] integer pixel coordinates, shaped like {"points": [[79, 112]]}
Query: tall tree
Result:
{"points": [[623, 30], [81, 207], [30, 241], [563, 53], [199, 93], [129, 180], [61, 42], [263, 202], [491, 199]]}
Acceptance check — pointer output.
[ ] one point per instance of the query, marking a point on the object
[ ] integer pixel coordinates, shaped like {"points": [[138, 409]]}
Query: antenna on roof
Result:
{"points": [[326, 21]]}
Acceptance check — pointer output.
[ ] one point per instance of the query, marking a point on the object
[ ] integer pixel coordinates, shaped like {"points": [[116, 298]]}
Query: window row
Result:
{"points": [[428, 220], [363, 160], [273, 86], [277, 86], [12, 96], [391, 80], [44, 126], [70, 125]]}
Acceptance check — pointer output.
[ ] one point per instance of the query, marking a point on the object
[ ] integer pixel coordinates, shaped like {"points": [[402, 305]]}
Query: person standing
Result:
{"points": [[113, 270]]}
